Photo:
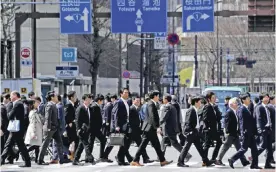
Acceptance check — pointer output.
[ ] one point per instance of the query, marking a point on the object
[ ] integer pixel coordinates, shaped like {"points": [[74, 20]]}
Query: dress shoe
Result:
{"points": [[188, 157], [246, 163], [182, 165], [208, 164], [219, 162], [77, 163], [165, 163], [147, 161], [93, 162], [255, 167], [231, 163], [123, 163], [269, 167], [272, 161], [54, 162], [105, 160], [42, 163], [137, 164], [25, 165]]}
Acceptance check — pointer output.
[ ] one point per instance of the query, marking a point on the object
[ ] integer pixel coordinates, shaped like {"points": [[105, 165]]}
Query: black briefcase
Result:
{"points": [[117, 139]]}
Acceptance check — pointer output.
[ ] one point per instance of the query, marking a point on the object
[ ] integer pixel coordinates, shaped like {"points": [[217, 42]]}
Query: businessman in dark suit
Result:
{"points": [[51, 129], [96, 123], [134, 132], [4, 123], [17, 112], [264, 128], [247, 132], [191, 128], [150, 126], [232, 131], [272, 107], [212, 126], [107, 113], [120, 112], [69, 112], [169, 124], [83, 125]]}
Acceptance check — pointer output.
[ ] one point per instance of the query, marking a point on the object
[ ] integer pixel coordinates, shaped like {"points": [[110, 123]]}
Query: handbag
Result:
{"points": [[14, 125], [117, 139]]}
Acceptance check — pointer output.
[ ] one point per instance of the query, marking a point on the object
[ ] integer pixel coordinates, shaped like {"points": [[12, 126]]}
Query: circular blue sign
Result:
{"points": [[126, 74], [187, 81], [173, 39]]}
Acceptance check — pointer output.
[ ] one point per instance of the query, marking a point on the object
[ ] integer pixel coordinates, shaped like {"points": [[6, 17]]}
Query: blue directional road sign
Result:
{"points": [[198, 16], [69, 54], [138, 16], [75, 17]]}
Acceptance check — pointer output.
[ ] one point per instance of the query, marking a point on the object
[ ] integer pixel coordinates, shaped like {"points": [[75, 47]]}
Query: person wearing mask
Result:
{"points": [[69, 112], [232, 131], [150, 126], [169, 124], [212, 126], [271, 106], [61, 122], [51, 129], [264, 128], [191, 128], [247, 126], [134, 133], [17, 112], [84, 126], [34, 132]]}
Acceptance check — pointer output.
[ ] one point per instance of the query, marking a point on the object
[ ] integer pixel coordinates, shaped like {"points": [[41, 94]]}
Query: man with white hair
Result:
{"points": [[232, 130]]}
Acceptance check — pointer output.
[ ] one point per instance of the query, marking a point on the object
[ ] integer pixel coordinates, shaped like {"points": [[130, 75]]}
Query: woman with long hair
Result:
{"points": [[34, 132]]}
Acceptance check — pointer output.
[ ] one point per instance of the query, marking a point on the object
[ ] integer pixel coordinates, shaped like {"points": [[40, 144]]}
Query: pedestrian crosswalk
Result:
{"points": [[113, 167]]}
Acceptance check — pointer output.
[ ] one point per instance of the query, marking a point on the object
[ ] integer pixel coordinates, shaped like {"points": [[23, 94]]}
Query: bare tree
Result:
{"points": [[8, 11]]}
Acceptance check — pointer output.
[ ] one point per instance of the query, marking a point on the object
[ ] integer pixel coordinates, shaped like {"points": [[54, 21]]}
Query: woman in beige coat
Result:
{"points": [[34, 133]]}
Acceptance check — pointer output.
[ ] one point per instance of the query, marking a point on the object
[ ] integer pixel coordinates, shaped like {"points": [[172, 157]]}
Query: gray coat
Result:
{"points": [[168, 120], [51, 117]]}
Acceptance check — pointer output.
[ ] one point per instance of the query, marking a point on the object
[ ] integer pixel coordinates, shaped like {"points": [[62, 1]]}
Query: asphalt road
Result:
{"points": [[171, 154]]}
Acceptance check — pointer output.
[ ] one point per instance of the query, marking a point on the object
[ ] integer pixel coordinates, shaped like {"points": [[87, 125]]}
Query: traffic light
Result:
{"points": [[241, 61], [261, 17], [127, 84]]}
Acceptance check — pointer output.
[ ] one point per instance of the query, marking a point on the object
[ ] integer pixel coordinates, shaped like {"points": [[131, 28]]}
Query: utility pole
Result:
{"points": [[228, 68], [141, 65], [220, 68], [34, 39], [146, 74], [120, 63], [196, 63]]}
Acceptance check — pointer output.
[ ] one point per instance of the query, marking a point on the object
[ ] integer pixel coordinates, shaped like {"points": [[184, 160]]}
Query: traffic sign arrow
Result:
{"points": [[85, 19], [139, 13], [204, 16], [188, 22], [69, 18]]}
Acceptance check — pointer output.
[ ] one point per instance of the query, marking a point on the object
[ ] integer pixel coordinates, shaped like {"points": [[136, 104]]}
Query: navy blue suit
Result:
{"points": [[247, 132]]}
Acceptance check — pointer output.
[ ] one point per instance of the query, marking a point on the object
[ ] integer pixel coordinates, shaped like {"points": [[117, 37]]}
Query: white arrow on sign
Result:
{"points": [[188, 22], [204, 16], [139, 16], [85, 19], [69, 18]]}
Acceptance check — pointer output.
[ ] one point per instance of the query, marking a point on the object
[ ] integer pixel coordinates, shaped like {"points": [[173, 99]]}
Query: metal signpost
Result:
{"points": [[75, 17], [69, 54], [137, 16], [160, 41], [67, 72], [198, 16]]}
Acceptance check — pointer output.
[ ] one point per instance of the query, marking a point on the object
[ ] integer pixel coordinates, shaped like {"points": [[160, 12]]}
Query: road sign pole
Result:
{"points": [[196, 62], [34, 40], [228, 69], [220, 68]]}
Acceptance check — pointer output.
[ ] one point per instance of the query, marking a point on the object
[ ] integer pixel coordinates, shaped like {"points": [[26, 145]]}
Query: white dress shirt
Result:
{"points": [[88, 111], [126, 105], [267, 115]]}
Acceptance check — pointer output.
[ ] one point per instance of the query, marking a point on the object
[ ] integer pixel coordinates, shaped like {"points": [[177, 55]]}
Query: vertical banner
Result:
{"points": [[26, 59]]}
